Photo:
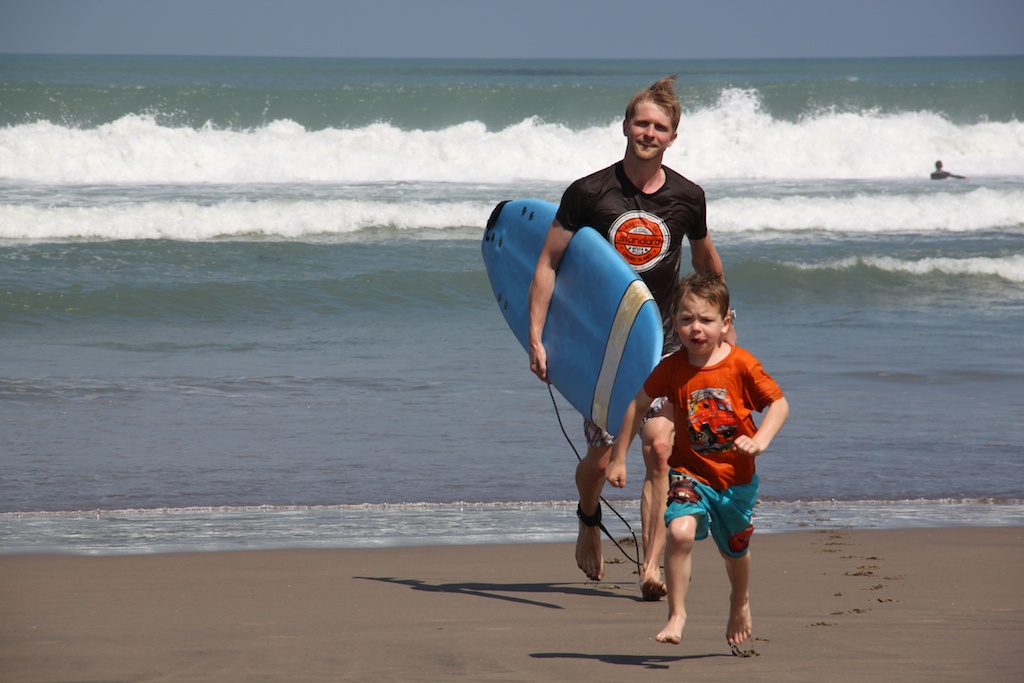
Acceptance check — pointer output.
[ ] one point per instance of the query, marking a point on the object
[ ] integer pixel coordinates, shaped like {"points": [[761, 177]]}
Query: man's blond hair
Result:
{"points": [[661, 93]]}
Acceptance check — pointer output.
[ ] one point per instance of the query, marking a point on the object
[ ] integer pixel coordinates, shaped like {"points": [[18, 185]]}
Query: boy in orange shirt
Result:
{"points": [[713, 387]]}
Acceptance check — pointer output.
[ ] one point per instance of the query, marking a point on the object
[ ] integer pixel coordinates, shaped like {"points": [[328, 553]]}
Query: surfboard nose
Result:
{"points": [[493, 220]]}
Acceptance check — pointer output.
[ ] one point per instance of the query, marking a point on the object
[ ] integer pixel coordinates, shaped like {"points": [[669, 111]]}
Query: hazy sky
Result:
{"points": [[681, 29]]}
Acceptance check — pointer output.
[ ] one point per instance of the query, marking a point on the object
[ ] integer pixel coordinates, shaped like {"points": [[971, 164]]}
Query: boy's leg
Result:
{"points": [[678, 563], [657, 436], [732, 526], [739, 627], [590, 477]]}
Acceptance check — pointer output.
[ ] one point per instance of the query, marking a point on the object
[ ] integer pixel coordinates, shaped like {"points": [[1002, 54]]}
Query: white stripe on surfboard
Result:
{"points": [[635, 297]]}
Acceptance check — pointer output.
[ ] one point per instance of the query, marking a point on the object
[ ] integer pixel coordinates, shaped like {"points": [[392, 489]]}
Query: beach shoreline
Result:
{"points": [[837, 605], [134, 532]]}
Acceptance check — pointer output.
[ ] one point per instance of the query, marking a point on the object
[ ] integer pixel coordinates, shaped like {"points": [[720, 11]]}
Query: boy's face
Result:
{"points": [[700, 327]]}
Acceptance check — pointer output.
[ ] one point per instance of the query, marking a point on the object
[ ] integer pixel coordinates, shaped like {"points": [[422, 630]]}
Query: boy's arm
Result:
{"points": [[631, 423], [773, 420]]}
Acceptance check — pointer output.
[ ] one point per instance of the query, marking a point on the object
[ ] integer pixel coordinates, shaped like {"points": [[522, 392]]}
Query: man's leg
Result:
{"points": [[590, 478], [657, 436]]}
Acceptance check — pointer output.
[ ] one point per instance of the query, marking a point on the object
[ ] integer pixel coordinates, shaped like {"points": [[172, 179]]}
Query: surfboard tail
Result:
{"points": [[635, 296]]}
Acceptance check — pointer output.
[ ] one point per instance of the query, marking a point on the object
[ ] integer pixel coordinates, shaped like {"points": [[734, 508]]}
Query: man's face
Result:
{"points": [[649, 132]]}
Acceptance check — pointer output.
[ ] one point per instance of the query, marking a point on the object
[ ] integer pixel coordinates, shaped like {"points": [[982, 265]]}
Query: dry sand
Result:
{"points": [[906, 605]]}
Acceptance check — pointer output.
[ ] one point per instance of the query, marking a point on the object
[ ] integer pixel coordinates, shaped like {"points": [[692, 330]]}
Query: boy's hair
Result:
{"points": [[661, 93], [708, 287]]}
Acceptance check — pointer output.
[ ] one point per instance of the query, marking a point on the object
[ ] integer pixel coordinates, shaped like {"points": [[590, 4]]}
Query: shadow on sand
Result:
{"points": [[501, 591]]}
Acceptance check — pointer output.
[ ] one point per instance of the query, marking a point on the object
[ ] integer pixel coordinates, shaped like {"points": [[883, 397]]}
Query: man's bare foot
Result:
{"points": [[739, 627], [653, 590], [673, 631], [588, 552]]}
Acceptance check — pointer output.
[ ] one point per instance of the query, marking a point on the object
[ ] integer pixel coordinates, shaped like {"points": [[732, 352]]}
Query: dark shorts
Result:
{"points": [[597, 437]]}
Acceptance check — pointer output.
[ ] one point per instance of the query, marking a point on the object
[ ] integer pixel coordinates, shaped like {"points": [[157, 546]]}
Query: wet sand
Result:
{"points": [[905, 605]]}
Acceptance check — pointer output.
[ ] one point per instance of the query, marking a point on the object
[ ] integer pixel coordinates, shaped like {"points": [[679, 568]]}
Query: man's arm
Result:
{"points": [[541, 289], [704, 256]]}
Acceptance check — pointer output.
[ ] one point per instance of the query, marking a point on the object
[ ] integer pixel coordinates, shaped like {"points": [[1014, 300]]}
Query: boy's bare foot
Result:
{"points": [[673, 631], [588, 552], [739, 627]]}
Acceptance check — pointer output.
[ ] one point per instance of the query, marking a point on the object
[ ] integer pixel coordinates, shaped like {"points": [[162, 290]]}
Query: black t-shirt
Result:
{"points": [[647, 229]]}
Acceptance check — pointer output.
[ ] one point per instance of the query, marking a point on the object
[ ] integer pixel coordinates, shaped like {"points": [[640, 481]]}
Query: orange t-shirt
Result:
{"points": [[712, 407]]}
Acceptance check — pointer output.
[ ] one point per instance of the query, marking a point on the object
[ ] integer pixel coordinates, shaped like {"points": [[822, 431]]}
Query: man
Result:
{"points": [[940, 174], [645, 210]]}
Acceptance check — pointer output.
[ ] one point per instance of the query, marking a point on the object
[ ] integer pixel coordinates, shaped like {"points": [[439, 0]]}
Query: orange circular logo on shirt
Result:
{"points": [[642, 238]]}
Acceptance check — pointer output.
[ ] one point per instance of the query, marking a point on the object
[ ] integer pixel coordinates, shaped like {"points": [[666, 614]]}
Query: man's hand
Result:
{"points": [[730, 335], [539, 362]]}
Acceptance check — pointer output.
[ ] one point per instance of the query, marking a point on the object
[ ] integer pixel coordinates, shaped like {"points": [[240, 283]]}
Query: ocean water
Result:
{"points": [[242, 302]]}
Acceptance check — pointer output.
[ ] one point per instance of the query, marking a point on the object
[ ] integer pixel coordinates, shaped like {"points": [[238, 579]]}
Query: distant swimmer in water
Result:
{"points": [[939, 174]]}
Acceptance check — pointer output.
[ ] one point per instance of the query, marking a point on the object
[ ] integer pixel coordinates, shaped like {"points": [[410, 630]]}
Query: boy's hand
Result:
{"points": [[744, 445], [616, 474]]}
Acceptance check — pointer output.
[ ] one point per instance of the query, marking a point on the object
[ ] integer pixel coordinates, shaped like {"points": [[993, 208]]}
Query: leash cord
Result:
{"points": [[635, 559]]}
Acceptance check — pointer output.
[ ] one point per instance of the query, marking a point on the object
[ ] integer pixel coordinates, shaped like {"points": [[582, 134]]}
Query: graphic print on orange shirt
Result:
{"points": [[712, 420]]}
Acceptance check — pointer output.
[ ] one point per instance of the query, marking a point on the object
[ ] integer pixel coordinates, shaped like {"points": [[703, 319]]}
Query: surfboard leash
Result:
{"points": [[636, 558]]}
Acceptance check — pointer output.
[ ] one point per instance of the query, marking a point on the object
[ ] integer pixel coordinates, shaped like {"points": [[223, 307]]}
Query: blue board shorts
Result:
{"points": [[727, 514]]}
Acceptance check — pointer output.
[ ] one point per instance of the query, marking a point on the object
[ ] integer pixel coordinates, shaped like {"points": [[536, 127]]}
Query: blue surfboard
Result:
{"points": [[603, 334]]}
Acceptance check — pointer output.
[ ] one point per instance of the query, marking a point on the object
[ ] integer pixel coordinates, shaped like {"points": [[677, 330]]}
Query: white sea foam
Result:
{"points": [[919, 212], [1009, 268], [374, 526], [734, 138], [236, 219], [737, 139], [978, 210]]}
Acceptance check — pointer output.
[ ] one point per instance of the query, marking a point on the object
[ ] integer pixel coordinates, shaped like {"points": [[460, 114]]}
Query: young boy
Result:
{"points": [[713, 387]]}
